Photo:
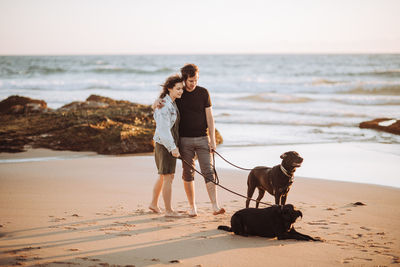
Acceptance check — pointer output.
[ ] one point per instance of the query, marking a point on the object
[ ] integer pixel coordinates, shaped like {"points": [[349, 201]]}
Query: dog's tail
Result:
{"points": [[225, 228]]}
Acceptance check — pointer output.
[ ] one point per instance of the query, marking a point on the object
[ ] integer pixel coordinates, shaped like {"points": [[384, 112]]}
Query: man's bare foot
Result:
{"points": [[220, 211], [154, 209]]}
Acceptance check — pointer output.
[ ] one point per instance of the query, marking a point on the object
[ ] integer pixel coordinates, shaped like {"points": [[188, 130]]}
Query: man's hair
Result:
{"points": [[189, 70]]}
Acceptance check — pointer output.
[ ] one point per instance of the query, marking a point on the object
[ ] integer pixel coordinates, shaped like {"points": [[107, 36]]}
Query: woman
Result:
{"points": [[166, 138]]}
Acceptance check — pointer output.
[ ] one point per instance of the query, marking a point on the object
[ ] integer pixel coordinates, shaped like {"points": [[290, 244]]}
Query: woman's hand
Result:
{"points": [[175, 153]]}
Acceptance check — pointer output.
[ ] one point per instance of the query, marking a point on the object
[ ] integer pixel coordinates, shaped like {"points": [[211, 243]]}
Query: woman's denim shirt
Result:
{"points": [[165, 118]]}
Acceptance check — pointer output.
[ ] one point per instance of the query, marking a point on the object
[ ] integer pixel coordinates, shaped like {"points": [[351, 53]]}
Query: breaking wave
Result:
{"points": [[385, 73], [131, 70], [32, 70], [278, 98], [325, 82], [385, 90]]}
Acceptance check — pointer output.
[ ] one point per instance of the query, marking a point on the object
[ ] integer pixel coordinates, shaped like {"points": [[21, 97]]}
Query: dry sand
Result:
{"points": [[93, 212]]}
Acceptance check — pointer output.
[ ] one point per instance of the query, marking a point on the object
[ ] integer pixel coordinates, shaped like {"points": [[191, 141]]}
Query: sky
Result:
{"points": [[64, 27]]}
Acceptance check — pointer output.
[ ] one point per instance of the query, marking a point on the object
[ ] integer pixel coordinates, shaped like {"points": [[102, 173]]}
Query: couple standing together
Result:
{"points": [[183, 116]]}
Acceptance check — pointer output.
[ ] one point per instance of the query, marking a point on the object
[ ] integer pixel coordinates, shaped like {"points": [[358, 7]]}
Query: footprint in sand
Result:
{"points": [[347, 260], [70, 228], [366, 259], [15, 251], [65, 263], [356, 236], [318, 223], [57, 220], [123, 234]]}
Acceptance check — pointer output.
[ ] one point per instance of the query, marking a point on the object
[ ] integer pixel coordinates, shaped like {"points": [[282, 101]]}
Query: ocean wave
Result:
{"points": [[325, 82], [384, 90], [368, 102], [273, 97], [393, 73], [31, 70], [98, 87], [117, 70], [292, 123]]}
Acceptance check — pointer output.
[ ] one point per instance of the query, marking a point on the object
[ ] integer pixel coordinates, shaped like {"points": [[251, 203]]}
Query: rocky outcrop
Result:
{"points": [[383, 124], [99, 124], [20, 105]]}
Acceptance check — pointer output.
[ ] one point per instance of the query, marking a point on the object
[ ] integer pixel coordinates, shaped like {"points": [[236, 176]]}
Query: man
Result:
{"points": [[196, 120]]}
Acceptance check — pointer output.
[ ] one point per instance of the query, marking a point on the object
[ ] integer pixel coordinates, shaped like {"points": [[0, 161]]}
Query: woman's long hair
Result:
{"points": [[169, 84]]}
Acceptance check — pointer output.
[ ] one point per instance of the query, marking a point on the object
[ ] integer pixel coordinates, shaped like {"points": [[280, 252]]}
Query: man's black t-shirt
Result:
{"points": [[192, 105]]}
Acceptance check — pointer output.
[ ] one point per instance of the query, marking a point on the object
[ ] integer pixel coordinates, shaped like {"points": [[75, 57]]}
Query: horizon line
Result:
{"points": [[204, 54]]}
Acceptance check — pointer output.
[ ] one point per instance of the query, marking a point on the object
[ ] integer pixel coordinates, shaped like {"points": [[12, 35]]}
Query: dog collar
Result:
{"points": [[285, 172]]}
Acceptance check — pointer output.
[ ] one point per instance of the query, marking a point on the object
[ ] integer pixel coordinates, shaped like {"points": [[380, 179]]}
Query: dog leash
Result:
{"points": [[216, 182], [236, 166]]}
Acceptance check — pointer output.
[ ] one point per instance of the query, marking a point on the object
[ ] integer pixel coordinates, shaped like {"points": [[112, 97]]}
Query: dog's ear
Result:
{"points": [[283, 155]]}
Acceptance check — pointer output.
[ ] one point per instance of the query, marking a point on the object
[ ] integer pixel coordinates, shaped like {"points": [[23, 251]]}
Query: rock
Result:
{"points": [[383, 124], [19, 105], [98, 124]]}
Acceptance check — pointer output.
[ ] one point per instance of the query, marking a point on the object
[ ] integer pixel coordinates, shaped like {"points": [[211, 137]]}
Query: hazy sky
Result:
{"points": [[201, 26]]}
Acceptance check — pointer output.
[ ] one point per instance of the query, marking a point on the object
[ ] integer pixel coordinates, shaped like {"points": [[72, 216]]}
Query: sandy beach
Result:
{"points": [[92, 211]]}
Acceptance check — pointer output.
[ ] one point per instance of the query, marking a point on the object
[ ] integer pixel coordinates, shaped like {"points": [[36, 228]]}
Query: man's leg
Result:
{"points": [[190, 193], [205, 157]]}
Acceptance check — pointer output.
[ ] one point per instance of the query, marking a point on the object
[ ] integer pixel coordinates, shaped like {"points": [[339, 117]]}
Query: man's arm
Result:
{"points": [[211, 128], [158, 103]]}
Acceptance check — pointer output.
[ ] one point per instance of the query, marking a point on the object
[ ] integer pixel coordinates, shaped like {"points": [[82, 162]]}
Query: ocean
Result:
{"points": [[259, 101]]}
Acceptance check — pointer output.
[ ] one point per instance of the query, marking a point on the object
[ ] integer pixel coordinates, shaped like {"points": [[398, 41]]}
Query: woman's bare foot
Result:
{"points": [[193, 212], [154, 209]]}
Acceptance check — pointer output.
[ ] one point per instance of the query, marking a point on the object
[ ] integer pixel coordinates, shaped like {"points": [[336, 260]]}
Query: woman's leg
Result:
{"points": [[156, 194], [167, 192]]}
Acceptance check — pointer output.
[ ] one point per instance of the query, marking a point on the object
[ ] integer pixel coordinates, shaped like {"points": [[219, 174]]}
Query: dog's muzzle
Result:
{"points": [[296, 164]]}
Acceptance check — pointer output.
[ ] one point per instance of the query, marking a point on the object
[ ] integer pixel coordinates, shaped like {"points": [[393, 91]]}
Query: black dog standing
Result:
{"points": [[276, 180], [275, 221]]}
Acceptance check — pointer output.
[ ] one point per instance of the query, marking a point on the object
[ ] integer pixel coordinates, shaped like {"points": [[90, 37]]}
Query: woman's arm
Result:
{"points": [[163, 128]]}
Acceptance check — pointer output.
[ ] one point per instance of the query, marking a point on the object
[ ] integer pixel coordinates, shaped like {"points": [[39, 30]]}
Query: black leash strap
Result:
{"points": [[231, 162], [216, 182]]}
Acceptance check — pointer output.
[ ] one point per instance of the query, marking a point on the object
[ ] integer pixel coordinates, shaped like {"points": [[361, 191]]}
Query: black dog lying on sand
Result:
{"points": [[276, 180], [275, 221]]}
